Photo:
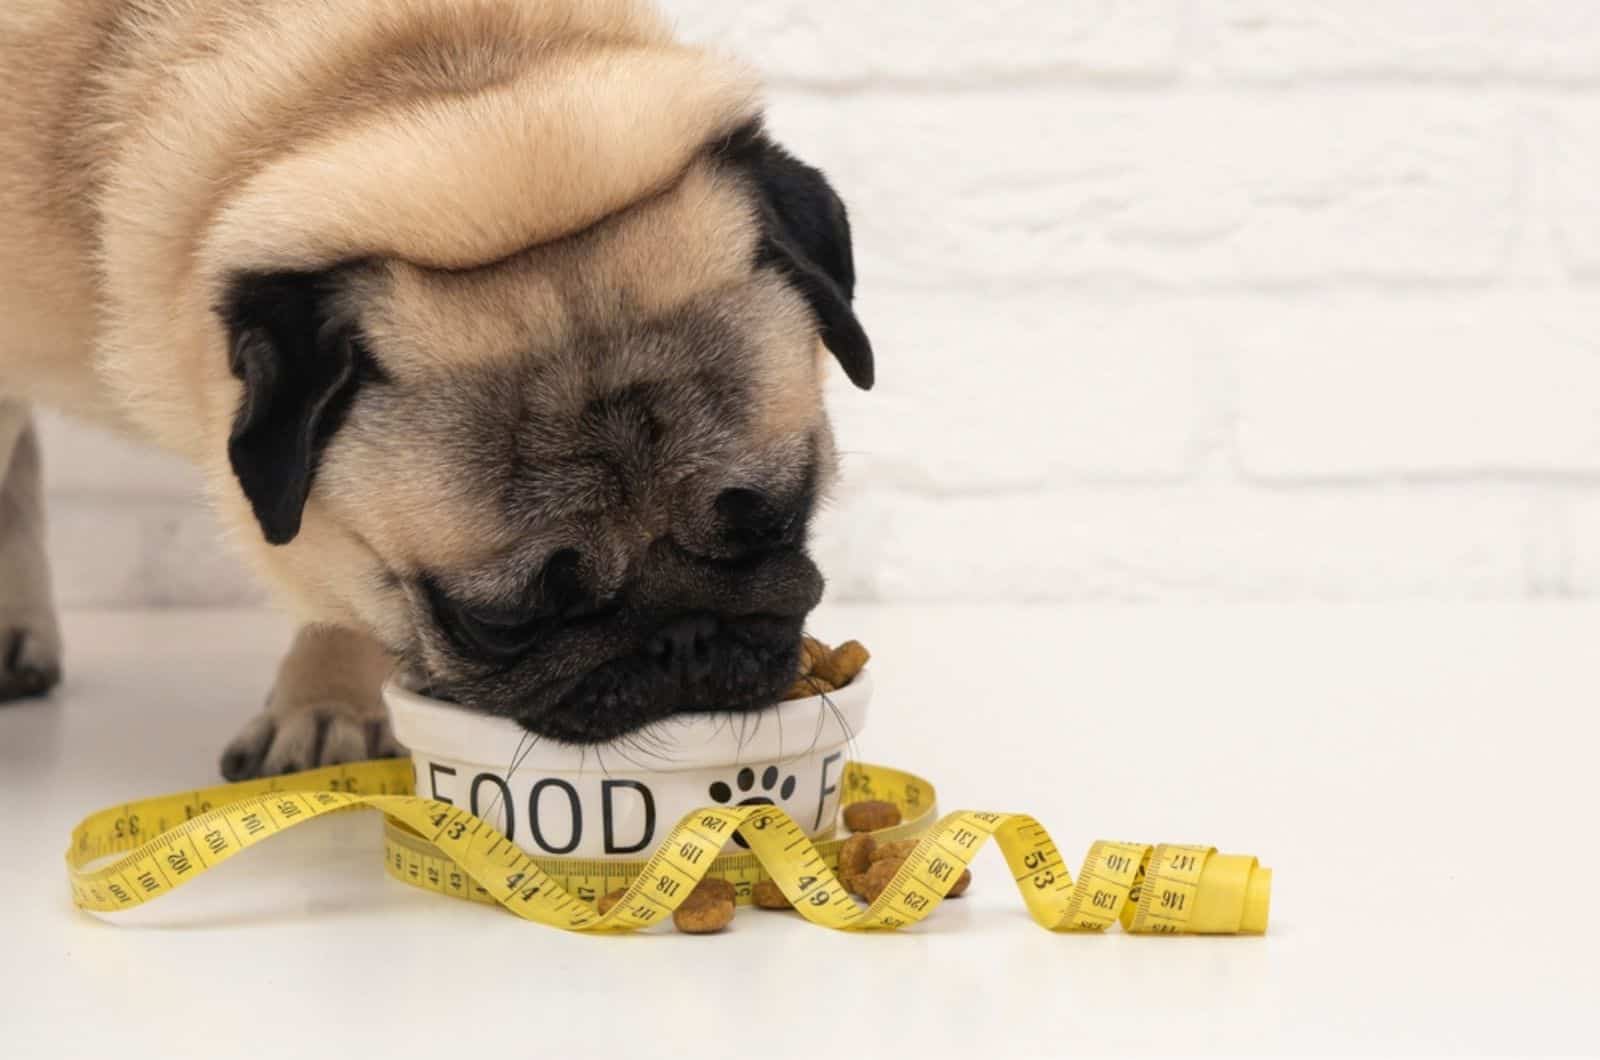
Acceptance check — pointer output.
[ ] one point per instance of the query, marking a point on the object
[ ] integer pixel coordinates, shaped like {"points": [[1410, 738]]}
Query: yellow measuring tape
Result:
{"points": [[1165, 889]]}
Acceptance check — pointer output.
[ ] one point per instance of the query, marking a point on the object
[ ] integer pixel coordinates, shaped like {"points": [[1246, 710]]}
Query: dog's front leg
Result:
{"points": [[325, 708], [30, 639]]}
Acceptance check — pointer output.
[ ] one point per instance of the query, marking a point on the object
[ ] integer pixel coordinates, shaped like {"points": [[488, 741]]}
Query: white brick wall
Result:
{"points": [[1261, 299]]}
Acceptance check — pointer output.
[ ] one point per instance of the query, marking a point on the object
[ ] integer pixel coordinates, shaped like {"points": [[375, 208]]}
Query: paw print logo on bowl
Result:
{"points": [[770, 791]]}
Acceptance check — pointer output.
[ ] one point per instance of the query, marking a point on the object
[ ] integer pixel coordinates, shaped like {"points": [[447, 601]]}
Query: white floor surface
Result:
{"points": [[1422, 779]]}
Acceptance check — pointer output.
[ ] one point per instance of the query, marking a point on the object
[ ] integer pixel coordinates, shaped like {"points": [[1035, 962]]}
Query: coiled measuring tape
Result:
{"points": [[1164, 889]]}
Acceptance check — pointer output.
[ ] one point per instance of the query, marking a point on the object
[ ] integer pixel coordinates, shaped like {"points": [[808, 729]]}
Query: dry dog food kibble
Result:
{"points": [[899, 850], [812, 651], [877, 878], [717, 888], [871, 815], [856, 854], [709, 908], [854, 858], [768, 895], [865, 865], [840, 666], [894, 855], [871, 884], [824, 669], [609, 900]]}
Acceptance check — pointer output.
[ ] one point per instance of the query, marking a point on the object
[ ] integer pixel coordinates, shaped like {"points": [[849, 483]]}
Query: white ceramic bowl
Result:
{"points": [[618, 800]]}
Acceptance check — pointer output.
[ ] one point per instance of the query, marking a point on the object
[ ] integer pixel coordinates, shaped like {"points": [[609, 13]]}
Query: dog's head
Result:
{"points": [[574, 484]]}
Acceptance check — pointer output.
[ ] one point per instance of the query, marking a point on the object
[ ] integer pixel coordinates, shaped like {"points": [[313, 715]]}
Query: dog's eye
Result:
{"points": [[495, 633], [481, 630]]}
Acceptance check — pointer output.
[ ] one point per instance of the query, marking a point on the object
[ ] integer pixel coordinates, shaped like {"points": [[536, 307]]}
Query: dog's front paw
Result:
{"points": [[286, 738], [326, 707], [30, 660]]}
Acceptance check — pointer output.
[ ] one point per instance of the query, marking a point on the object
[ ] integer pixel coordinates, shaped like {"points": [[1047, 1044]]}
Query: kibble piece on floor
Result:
{"points": [[871, 815], [609, 900], [855, 854], [768, 895], [708, 909], [961, 884], [899, 850], [877, 878], [717, 887]]}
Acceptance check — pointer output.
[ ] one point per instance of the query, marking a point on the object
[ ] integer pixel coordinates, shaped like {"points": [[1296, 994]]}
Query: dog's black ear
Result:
{"points": [[806, 236], [301, 370]]}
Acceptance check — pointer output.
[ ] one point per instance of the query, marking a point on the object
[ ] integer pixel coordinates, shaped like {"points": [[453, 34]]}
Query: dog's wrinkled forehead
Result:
{"points": [[599, 436], [697, 237]]}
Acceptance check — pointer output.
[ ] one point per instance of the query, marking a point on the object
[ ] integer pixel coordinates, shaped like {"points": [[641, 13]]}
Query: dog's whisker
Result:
{"points": [[851, 748], [524, 747], [744, 726], [655, 743], [816, 736], [620, 747], [640, 742], [524, 741]]}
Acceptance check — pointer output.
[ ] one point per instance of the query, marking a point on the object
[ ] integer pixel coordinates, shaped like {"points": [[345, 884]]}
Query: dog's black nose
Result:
{"points": [[682, 647], [753, 520]]}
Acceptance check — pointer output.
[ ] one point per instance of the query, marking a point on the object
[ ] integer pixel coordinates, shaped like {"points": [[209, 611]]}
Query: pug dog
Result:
{"points": [[497, 328]]}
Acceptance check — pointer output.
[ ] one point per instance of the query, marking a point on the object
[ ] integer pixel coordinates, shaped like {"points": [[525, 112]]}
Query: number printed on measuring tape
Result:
{"points": [[157, 845]]}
